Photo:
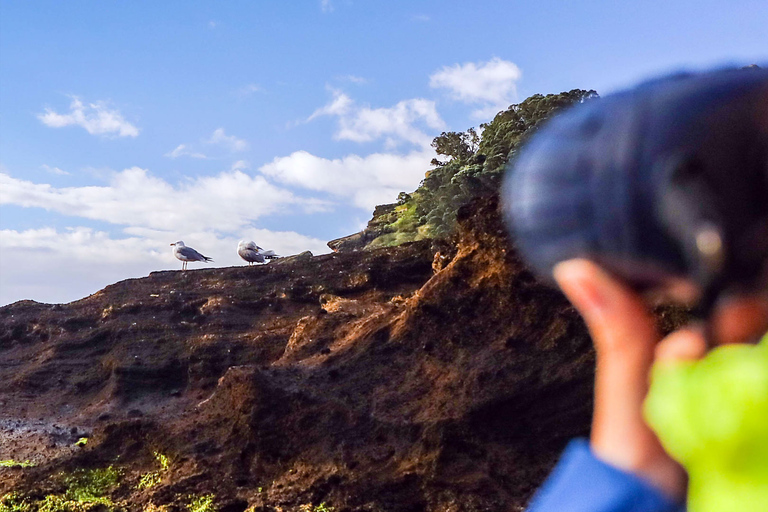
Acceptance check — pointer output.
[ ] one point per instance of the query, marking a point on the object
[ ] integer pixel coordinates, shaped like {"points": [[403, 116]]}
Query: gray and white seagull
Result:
{"points": [[187, 254], [252, 253]]}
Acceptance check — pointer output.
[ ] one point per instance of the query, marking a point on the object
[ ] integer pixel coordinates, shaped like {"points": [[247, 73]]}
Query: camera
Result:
{"points": [[664, 185]]}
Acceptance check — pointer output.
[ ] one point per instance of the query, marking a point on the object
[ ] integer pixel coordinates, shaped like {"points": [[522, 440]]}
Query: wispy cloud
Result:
{"points": [[326, 6], [422, 18], [184, 150], [492, 85], [96, 118], [339, 106], [219, 137], [240, 165], [213, 24], [395, 124], [248, 90], [353, 79], [54, 170]]}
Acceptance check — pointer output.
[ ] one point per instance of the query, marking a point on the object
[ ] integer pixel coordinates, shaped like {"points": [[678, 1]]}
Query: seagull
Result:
{"points": [[251, 252], [187, 254]]}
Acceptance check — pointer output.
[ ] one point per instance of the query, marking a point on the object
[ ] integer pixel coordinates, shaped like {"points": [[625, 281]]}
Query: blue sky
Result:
{"points": [[125, 126]]}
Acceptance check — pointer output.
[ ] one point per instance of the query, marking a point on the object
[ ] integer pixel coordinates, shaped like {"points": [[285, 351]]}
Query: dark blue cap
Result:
{"points": [[649, 181]]}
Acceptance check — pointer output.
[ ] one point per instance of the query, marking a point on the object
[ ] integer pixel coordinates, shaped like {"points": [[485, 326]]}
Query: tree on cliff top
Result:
{"points": [[474, 168], [459, 146]]}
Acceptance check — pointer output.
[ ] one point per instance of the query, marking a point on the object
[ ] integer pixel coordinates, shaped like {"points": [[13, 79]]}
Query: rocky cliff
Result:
{"points": [[425, 377]]}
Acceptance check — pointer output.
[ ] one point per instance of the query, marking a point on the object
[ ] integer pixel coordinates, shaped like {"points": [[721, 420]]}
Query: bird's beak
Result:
{"points": [[173, 244]]}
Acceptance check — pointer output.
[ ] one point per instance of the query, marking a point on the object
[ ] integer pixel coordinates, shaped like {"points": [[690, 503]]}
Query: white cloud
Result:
{"points": [[340, 106], [51, 266], [96, 118], [423, 18], [82, 244], [213, 24], [184, 150], [228, 141], [54, 170], [490, 85], [60, 266], [365, 181], [209, 213], [326, 6], [227, 202], [395, 124]]}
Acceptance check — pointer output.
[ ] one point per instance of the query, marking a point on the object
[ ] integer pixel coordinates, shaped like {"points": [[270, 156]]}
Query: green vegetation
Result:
{"points": [[155, 508], [202, 504], [163, 460], [14, 502], [87, 485], [153, 478], [474, 167], [55, 503], [322, 507], [16, 464], [86, 490], [149, 480]]}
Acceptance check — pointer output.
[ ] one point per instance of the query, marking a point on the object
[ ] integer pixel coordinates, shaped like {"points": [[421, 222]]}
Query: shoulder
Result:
{"points": [[583, 483]]}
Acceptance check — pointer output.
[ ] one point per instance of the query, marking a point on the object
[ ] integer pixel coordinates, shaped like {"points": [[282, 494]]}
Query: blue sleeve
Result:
{"points": [[582, 483]]}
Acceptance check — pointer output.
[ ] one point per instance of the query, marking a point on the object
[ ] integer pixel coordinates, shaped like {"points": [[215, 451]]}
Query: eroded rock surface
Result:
{"points": [[371, 380]]}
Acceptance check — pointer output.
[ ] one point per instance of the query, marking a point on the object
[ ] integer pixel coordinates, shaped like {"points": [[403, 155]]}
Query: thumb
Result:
{"points": [[617, 318]]}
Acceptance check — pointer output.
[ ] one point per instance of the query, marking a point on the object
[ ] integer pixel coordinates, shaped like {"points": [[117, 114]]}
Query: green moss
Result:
{"points": [[153, 478], [322, 507], [91, 484], [202, 504], [393, 239], [14, 502], [86, 490], [163, 460], [155, 508], [16, 464], [56, 503], [149, 480]]}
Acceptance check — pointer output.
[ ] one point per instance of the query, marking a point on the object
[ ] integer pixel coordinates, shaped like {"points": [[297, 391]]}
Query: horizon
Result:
{"points": [[125, 127]]}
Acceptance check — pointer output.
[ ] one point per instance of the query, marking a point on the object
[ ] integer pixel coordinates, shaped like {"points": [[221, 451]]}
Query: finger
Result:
{"points": [[740, 319], [625, 336], [688, 344], [616, 317]]}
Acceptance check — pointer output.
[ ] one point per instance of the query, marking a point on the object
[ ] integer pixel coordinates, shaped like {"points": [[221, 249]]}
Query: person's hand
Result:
{"points": [[627, 344]]}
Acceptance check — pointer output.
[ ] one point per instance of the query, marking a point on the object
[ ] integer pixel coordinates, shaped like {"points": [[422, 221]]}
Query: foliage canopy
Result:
{"points": [[474, 168]]}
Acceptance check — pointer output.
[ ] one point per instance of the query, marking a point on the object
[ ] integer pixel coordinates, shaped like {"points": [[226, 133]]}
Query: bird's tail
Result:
{"points": [[207, 259]]}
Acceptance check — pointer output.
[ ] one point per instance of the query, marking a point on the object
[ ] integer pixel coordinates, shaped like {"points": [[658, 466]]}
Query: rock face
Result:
{"points": [[383, 215], [362, 380]]}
